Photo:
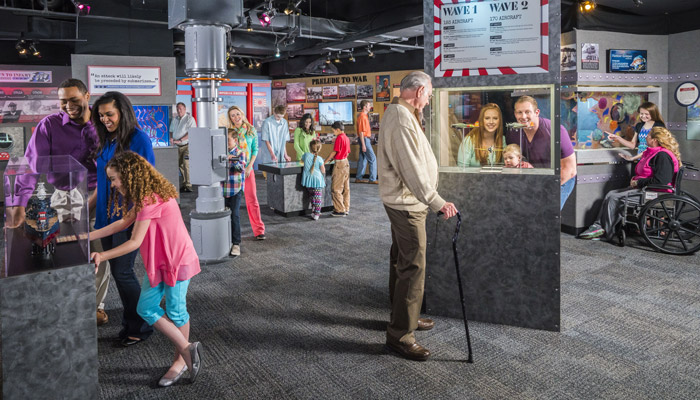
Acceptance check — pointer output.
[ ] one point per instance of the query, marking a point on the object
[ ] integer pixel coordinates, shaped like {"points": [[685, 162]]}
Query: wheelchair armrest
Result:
{"points": [[659, 187]]}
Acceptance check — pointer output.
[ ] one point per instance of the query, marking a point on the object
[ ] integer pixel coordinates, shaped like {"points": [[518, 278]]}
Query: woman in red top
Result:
{"points": [[166, 248]]}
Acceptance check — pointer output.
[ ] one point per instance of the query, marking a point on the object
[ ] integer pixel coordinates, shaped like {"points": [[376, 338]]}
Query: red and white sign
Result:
{"points": [[490, 37], [131, 81]]}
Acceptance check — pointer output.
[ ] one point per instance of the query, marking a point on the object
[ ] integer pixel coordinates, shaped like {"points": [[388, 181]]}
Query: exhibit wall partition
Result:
{"points": [[479, 54]]}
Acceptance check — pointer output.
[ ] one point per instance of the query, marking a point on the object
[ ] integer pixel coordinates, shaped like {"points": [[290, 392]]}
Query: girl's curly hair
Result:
{"points": [[141, 182]]}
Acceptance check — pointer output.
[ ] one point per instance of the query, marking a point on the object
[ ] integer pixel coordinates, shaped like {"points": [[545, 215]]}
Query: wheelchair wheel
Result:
{"points": [[671, 224], [621, 236]]}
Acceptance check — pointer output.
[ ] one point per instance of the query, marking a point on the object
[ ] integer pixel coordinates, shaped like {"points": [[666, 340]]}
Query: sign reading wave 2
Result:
{"points": [[491, 37]]}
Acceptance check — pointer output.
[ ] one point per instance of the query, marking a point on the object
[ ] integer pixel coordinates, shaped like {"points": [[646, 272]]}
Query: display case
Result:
{"points": [[457, 128], [54, 233]]}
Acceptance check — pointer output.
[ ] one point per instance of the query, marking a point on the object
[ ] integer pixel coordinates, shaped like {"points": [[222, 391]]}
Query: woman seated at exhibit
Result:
{"points": [[304, 134], [650, 118], [658, 165], [484, 144]]}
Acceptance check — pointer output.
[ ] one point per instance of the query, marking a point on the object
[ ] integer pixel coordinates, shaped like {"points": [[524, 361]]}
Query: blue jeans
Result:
{"points": [[234, 203], [122, 269], [566, 190], [363, 159], [175, 302]]}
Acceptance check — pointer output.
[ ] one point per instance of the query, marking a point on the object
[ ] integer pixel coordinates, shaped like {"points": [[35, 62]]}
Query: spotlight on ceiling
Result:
{"points": [[586, 6], [231, 64], [21, 47], [370, 53], [638, 3], [35, 52], [352, 57], [277, 52], [292, 6], [248, 23], [337, 58], [81, 8], [328, 58], [257, 63]]}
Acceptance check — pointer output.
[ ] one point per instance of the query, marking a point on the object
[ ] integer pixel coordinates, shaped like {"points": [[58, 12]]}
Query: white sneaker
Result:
{"points": [[235, 250], [315, 217]]}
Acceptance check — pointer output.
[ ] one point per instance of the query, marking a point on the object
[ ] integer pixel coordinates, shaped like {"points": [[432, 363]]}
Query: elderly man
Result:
{"points": [[68, 132], [179, 127], [535, 144], [408, 175]]}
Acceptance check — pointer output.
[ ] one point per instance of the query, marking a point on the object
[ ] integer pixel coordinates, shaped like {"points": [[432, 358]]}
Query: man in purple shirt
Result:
{"points": [[69, 132], [535, 143]]}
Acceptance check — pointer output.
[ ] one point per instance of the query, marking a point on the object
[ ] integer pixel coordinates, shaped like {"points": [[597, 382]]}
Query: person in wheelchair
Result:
{"points": [[657, 166]]}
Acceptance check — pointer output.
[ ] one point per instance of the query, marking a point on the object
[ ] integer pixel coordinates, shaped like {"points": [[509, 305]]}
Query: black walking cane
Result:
{"points": [[459, 282]]}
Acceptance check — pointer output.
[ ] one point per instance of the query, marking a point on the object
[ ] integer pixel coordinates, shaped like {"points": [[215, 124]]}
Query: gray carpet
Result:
{"points": [[302, 316]]}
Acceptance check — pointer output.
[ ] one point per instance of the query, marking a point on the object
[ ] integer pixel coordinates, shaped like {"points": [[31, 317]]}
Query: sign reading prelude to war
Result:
{"points": [[131, 81], [498, 34]]}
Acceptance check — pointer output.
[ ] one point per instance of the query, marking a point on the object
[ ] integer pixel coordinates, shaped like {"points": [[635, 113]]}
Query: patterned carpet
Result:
{"points": [[302, 316]]}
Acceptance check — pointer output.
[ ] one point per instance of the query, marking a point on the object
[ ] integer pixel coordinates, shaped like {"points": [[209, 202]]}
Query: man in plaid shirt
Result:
{"points": [[233, 188]]}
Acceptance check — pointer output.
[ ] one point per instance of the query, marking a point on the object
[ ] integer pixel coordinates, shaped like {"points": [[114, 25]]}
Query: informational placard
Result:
{"points": [[687, 94], [491, 34], [132, 81], [26, 76]]}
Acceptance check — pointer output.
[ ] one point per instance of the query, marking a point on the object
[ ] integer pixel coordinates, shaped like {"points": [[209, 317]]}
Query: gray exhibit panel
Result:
{"points": [[508, 250], [49, 334], [167, 164], [286, 195]]}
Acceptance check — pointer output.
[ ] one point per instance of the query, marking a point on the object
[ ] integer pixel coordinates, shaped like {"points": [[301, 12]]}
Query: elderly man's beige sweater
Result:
{"points": [[408, 171]]}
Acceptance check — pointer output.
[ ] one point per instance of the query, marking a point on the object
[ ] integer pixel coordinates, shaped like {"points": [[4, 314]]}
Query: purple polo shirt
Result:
{"points": [[58, 135], [537, 151]]}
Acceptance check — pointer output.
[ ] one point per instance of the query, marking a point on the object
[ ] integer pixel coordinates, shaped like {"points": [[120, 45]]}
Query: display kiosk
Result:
{"points": [[286, 195], [47, 292]]}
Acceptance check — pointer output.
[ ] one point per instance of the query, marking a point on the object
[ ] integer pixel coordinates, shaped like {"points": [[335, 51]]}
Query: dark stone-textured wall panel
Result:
{"points": [[508, 249], [286, 194], [49, 334]]}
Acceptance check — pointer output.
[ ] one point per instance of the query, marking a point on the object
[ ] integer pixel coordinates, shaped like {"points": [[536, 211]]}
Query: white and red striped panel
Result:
{"points": [[544, 55]]}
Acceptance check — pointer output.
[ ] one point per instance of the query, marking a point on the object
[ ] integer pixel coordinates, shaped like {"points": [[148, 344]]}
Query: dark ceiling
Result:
{"points": [[394, 29]]}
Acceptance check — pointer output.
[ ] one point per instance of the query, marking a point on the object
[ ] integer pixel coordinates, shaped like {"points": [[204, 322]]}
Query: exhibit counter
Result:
{"points": [[286, 195]]}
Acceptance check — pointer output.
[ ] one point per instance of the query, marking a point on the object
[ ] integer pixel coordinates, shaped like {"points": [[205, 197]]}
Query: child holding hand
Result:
{"points": [[513, 158], [314, 177], [166, 248], [233, 187]]}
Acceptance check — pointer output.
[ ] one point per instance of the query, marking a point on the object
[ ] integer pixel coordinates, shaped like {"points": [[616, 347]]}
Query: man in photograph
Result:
{"points": [[12, 114]]}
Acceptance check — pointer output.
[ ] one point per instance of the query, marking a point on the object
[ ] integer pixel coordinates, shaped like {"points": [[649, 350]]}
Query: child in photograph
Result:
{"points": [[513, 158], [340, 186], [314, 177], [148, 202], [233, 187]]}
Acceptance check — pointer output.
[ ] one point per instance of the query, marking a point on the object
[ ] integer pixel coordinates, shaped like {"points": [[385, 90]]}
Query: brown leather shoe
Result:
{"points": [[102, 317], [361, 181], [413, 351], [425, 324], [373, 182]]}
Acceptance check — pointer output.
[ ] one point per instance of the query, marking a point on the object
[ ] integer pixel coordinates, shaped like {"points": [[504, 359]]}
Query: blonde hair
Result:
{"points": [[527, 99], [314, 148], [667, 141], [483, 154], [513, 148], [250, 130]]}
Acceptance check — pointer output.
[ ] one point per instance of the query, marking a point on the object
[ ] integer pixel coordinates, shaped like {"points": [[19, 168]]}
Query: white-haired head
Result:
{"points": [[414, 80]]}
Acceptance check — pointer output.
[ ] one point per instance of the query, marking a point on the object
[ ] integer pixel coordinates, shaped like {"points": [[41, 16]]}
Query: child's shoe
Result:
{"points": [[315, 217], [235, 250]]}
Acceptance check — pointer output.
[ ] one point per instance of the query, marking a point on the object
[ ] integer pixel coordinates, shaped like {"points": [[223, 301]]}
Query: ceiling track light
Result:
{"points": [[35, 52], [586, 6], [292, 6], [266, 15], [248, 22], [277, 51], [638, 3], [352, 57], [370, 53], [257, 63], [328, 58], [81, 8], [337, 58], [21, 47]]}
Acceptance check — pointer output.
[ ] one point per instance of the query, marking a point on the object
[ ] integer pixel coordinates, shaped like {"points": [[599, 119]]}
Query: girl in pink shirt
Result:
{"points": [[167, 251]]}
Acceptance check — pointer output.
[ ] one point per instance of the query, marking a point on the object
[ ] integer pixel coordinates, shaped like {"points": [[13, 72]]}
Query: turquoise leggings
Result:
{"points": [[175, 302]]}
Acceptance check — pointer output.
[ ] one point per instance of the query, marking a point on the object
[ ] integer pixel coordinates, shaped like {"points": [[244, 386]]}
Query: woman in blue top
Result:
{"points": [[117, 130], [313, 177], [649, 117]]}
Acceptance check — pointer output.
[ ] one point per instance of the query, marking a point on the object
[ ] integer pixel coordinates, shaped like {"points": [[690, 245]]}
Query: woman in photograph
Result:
{"points": [[303, 135], [114, 119], [484, 144]]}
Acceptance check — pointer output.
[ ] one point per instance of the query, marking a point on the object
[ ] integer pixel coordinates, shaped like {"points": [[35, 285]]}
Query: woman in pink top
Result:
{"points": [[167, 251]]}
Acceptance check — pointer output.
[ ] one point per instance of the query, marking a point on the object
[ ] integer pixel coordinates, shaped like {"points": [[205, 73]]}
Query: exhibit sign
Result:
{"points": [[627, 61], [687, 94], [131, 81], [491, 37], [25, 76], [27, 104], [590, 57]]}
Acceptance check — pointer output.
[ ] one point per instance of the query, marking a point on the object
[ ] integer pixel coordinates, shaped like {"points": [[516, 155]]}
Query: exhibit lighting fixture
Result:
{"points": [[231, 64], [328, 58], [264, 18], [352, 57], [257, 63], [277, 51], [35, 52], [586, 6], [81, 8], [21, 48], [637, 3], [248, 22], [370, 53], [337, 58], [292, 6]]}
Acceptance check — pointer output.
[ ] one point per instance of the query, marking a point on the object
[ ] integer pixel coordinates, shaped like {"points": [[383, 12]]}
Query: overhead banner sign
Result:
{"points": [[26, 76], [491, 37], [131, 81]]}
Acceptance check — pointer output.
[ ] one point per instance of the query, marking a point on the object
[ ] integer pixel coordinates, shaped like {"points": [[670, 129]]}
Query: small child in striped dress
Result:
{"points": [[233, 188], [314, 177]]}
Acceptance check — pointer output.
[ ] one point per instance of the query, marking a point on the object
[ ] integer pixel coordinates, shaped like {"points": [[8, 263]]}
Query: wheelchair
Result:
{"points": [[668, 222]]}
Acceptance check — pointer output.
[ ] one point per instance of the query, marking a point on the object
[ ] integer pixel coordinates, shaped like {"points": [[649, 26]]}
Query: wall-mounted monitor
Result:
{"points": [[634, 61], [335, 111]]}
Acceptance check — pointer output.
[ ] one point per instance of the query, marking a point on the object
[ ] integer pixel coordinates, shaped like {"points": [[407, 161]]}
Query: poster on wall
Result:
{"points": [[155, 122], [279, 97], [627, 61], [132, 81], [501, 35], [693, 132], [365, 92], [292, 127], [330, 92], [314, 94], [371, 106], [18, 105], [296, 92], [26, 76], [346, 91], [295, 111], [383, 83], [374, 120], [590, 57], [568, 58], [11, 142]]}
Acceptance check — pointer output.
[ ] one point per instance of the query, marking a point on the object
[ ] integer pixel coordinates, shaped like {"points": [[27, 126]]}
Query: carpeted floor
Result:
{"points": [[302, 316]]}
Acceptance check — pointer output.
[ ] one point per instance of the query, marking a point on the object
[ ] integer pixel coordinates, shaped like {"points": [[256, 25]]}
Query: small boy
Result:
{"points": [[233, 189], [513, 158], [340, 187]]}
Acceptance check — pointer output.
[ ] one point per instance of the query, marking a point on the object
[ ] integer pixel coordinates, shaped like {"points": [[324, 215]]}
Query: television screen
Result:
{"points": [[336, 111], [627, 61]]}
